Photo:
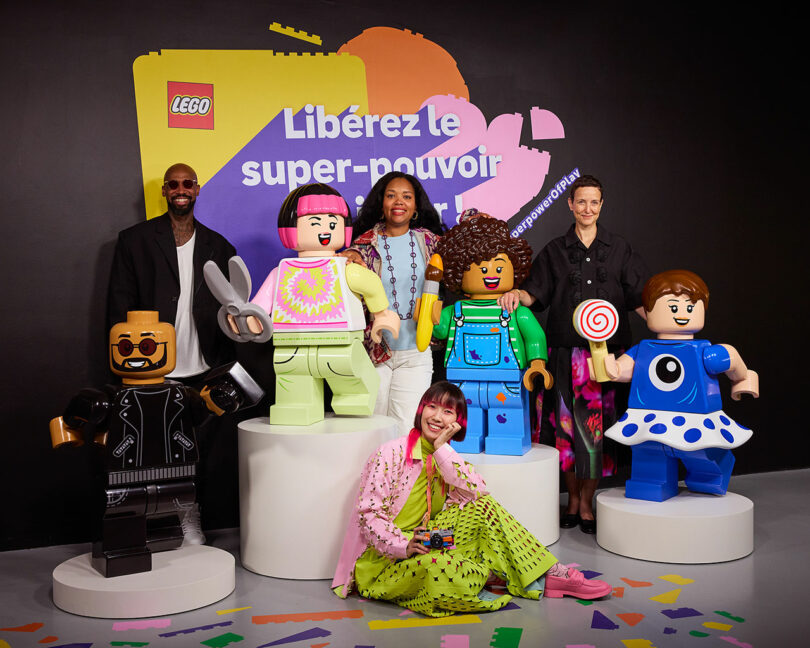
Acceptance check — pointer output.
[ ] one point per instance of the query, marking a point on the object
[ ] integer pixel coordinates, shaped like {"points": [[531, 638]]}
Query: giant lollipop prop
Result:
{"points": [[597, 320]]}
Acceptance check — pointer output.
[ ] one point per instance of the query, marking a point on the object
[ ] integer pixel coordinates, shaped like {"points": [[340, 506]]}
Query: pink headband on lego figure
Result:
{"points": [[315, 204]]}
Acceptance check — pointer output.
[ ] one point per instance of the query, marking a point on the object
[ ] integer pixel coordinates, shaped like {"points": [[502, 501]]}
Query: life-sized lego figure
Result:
{"points": [[315, 318], [675, 405], [490, 351], [147, 430]]}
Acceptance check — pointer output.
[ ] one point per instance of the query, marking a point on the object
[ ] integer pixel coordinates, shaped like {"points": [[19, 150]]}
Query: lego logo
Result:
{"points": [[185, 105]]}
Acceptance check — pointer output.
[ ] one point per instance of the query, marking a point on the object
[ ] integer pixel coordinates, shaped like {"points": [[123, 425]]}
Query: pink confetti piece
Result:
{"points": [[737, 642]]}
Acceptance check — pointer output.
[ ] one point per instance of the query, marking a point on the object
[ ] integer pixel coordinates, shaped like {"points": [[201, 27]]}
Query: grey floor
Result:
{"points": [[762, 592]]}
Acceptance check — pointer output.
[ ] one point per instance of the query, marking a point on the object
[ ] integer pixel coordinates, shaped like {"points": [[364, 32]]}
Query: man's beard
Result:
{"points": [[182, 211]]}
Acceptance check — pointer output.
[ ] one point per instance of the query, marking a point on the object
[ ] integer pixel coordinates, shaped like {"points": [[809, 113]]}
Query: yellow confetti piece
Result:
{"points": [[234, 610], [295, 33], [667, 597], [677, 580], [638, 643], [718, 626], [392, 624], [4, 644]]}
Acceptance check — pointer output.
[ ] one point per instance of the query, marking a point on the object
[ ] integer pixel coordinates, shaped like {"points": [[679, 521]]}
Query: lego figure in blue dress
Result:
{"points": [[493, 355], [675, 410]]}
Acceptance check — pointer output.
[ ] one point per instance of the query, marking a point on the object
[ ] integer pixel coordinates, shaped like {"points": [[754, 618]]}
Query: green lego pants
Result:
{"points": [[302, 361]]}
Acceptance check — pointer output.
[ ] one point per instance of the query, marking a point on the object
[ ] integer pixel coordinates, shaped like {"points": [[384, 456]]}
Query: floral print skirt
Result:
{"points": [[577, 411]]}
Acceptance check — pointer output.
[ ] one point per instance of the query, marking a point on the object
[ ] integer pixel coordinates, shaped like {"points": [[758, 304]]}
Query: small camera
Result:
{"points": [[438, 539]]}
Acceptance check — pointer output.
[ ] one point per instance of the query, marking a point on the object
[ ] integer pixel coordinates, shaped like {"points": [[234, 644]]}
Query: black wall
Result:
{"points": [[691, 119]]}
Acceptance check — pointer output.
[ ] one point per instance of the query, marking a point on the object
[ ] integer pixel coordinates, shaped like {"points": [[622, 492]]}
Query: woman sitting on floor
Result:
{"points": [[419, 482]]}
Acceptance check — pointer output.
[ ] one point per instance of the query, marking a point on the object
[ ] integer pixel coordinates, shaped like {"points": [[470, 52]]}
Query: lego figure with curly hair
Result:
{"points": [[490, 351]]}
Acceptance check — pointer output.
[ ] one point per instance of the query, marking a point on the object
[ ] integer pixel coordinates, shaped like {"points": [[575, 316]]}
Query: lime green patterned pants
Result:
{"points": [[488, 539]]}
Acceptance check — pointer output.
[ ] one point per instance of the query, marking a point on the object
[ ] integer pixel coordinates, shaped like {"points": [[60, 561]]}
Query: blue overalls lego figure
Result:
{"points": [[675, 410], [490, 351]]}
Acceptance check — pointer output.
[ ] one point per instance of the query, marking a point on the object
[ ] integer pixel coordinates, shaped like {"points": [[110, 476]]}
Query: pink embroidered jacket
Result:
{"points": [[385, 484]]}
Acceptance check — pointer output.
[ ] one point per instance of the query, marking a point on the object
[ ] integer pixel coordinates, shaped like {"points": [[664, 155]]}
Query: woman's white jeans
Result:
{"points": [[404, 377]]}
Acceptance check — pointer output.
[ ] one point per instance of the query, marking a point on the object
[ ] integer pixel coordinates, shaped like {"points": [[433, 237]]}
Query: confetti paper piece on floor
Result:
{"points": [[631, 618], [406, 613], [48, 639], [321, 645], [308, 616], [120, 626], [589, 573], [312, 633], [681, 613], [737, 642], [29, 627], [730, 616], [677, 580], [129, 643], [713, 625], [638, 643], [601, 622], [510, 606], [75, 645], [667, 597], [455, 641], [222, 640], [618, 592], [635, 583], [506, 638], [393, 624], [584, 602], [4, 644], [698, 633], [670, 630], [210, 626], [579, 646], [234, 610]]}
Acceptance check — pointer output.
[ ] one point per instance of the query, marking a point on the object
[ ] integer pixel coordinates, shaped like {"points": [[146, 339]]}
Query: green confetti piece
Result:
{"points": [[506, 638], [730, 616], [697, 633], [222, 640], [581, 602]]}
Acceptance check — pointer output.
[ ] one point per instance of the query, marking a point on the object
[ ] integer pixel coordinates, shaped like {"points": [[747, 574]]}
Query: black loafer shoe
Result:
{"points": [[569, 520], [588, 526]]}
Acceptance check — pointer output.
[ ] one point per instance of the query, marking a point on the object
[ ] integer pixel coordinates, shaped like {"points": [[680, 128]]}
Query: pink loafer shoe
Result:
{"points": [[575, 585]]}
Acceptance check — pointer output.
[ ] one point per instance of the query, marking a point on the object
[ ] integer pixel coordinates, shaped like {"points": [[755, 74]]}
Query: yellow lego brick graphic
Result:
{"points": [[295, 33]]}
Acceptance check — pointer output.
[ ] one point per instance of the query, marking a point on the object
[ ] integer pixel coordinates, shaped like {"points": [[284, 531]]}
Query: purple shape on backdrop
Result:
{"points": [[587, 573], [511, 606], [247, 215], [681, 613], [670, 630], [312, 633], [601, 622], [190, 630], [74, 645]]}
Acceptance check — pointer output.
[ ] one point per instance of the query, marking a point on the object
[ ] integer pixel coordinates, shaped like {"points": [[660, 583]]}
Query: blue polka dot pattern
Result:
{"points": [[630, 429], [708, 423], [623, 417], [678, 420], [725, 420], [727, 435], [649, 417], [658, 428], [692, 435]]}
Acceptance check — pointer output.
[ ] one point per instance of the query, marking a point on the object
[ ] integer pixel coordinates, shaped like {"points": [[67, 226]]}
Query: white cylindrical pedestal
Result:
{"points": [[297, 487], [181, 580], [528, 487], [687, 528]]}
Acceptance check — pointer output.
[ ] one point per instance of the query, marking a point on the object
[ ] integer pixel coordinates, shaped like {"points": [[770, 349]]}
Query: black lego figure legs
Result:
{"points": [[139, 521]]}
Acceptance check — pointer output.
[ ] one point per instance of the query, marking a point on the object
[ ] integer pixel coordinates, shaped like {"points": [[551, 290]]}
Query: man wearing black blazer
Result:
{"points": [[158, 265]]}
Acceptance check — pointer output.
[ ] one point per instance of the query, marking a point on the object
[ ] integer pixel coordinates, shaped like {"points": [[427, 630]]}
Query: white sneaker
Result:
{"points": [[190, 523]]}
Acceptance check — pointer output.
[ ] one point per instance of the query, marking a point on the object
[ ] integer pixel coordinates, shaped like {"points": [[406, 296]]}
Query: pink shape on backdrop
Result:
{"points": [[546, 125], [737, 642], [455, 641], [521, 171]]}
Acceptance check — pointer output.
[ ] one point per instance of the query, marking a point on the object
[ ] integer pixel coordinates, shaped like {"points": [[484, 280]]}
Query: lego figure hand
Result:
{"points": [[239, 319], [436, 312], [612, 368], [749, 384], [387, 320], [63, 434], [537, 367]]}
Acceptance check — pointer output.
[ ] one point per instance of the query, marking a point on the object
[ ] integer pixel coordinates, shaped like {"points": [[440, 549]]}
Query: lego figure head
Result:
{"points": [[482, 260], [315, 220], [675, 302], [181, 189], [142, 349], [585, 200]]}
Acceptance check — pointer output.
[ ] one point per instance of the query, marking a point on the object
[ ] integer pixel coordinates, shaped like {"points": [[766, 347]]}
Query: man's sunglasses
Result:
{"points": [[174, 184], [147, 347]]}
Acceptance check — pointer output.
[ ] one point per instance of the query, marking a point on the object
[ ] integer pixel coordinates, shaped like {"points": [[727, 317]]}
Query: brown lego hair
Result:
{"points": [[480, 239], [675, 282]]}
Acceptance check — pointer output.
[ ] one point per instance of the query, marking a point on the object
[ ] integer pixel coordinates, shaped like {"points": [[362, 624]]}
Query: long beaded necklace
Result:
{"points": [[394, 279]]}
